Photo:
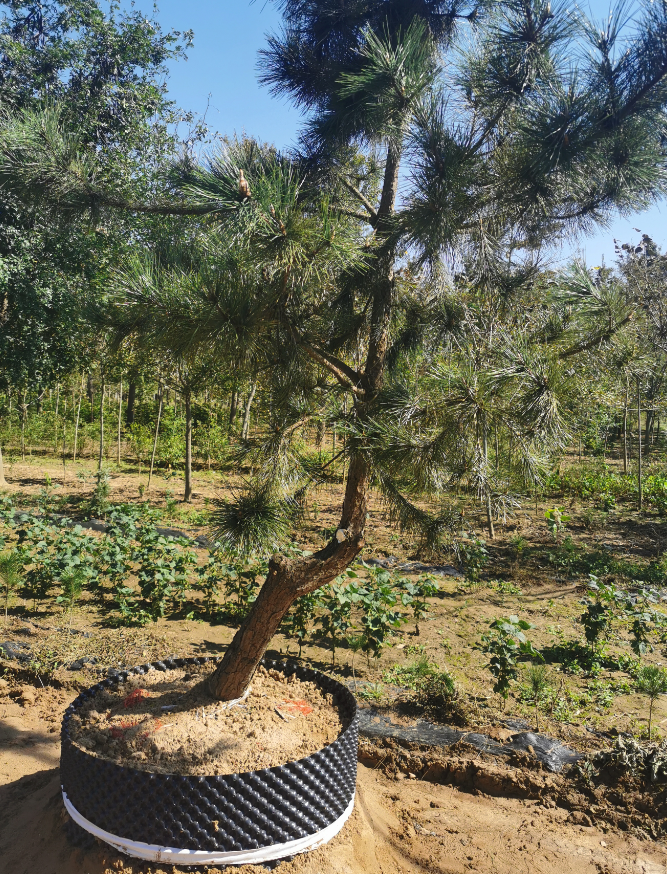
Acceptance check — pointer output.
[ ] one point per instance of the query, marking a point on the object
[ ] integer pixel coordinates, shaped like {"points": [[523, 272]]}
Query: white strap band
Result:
{"points": [[154, 853]]}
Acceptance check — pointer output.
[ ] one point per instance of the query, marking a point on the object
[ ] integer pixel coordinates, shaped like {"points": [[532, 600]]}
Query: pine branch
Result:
{"points": [[597, 340], [362, 198], [346, 375]]}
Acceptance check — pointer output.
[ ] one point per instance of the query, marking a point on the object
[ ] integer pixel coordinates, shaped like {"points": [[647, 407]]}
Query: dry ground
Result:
{"points": [[399, 825]]}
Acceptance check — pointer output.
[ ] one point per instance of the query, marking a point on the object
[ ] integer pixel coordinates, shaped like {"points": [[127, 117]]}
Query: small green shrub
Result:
{"points": [[437, 694], [538, 684], [11, 576], [557, 520], [651, 681], [506, 645]]}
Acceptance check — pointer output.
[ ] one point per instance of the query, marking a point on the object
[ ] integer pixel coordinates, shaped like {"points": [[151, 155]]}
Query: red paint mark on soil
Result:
{"points": [[296, 706], [118, 731], [135, 697], [157, 725]]}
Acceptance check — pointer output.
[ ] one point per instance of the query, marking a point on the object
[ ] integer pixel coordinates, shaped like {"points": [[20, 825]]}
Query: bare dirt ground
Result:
{"points": [[470, 813], [399, 826]]}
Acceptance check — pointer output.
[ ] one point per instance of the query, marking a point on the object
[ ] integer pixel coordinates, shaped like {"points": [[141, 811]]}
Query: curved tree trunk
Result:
{"points": [[286, 581]]}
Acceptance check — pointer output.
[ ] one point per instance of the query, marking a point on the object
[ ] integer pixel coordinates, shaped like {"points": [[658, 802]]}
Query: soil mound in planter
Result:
{"points": [[169, 723]]}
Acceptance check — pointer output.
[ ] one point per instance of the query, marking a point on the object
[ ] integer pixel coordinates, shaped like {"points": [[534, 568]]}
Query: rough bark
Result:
{"points": [[187, 397], [131, 399], [3, 481], [287, 580]]}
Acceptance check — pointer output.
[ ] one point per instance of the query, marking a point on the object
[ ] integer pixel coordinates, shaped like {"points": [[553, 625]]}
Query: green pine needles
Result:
{"points": [[652, 682], [397, 317], [11, 575]]}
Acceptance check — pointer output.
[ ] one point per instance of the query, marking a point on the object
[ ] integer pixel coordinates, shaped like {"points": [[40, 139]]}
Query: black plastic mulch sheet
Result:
{"points": [[550, 752]]}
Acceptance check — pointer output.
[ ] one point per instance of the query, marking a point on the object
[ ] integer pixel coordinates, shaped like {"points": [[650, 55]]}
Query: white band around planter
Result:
{"points": [[154, 853]]}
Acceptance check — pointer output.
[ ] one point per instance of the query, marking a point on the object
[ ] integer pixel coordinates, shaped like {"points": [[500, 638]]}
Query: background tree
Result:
{"points": [[106, 71]]}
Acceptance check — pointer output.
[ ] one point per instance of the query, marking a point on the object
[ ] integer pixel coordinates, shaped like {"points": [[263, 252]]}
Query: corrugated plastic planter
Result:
{"points": [[244, 818]]}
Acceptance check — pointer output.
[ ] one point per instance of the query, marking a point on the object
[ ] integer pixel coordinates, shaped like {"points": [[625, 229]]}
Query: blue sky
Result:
{"points": [[221, 72]]}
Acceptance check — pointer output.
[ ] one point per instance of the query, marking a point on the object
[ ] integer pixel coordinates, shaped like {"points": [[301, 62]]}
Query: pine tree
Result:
{"points": [[440, 134]]}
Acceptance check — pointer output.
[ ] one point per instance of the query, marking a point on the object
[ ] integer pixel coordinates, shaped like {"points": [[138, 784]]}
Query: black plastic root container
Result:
{"points": [[247, 818]]}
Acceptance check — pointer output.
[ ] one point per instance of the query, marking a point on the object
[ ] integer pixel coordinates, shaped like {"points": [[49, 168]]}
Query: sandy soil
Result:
{"points": [[399, 826], [168, 722]]}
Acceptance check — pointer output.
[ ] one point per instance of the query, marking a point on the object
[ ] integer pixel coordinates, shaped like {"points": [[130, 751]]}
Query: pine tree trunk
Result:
{"points": [[76, 425], [3, 481], [101, 452], [24, 418], [55, 424], [246, 412], [120, 420], [157, 431], [286, 581], [233, 407], [64, 441], [650, 418], [639, 448], [131, 398], [187, 397], [625, 425], [489, 510]]}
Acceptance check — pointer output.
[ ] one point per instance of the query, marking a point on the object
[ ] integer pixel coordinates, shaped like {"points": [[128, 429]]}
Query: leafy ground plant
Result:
{"points": [[438, 695], [298, 621], [409, 676], [378, 601], [599, 613], [556, 520], [414, 595], [336, 620], [506, 645]]}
